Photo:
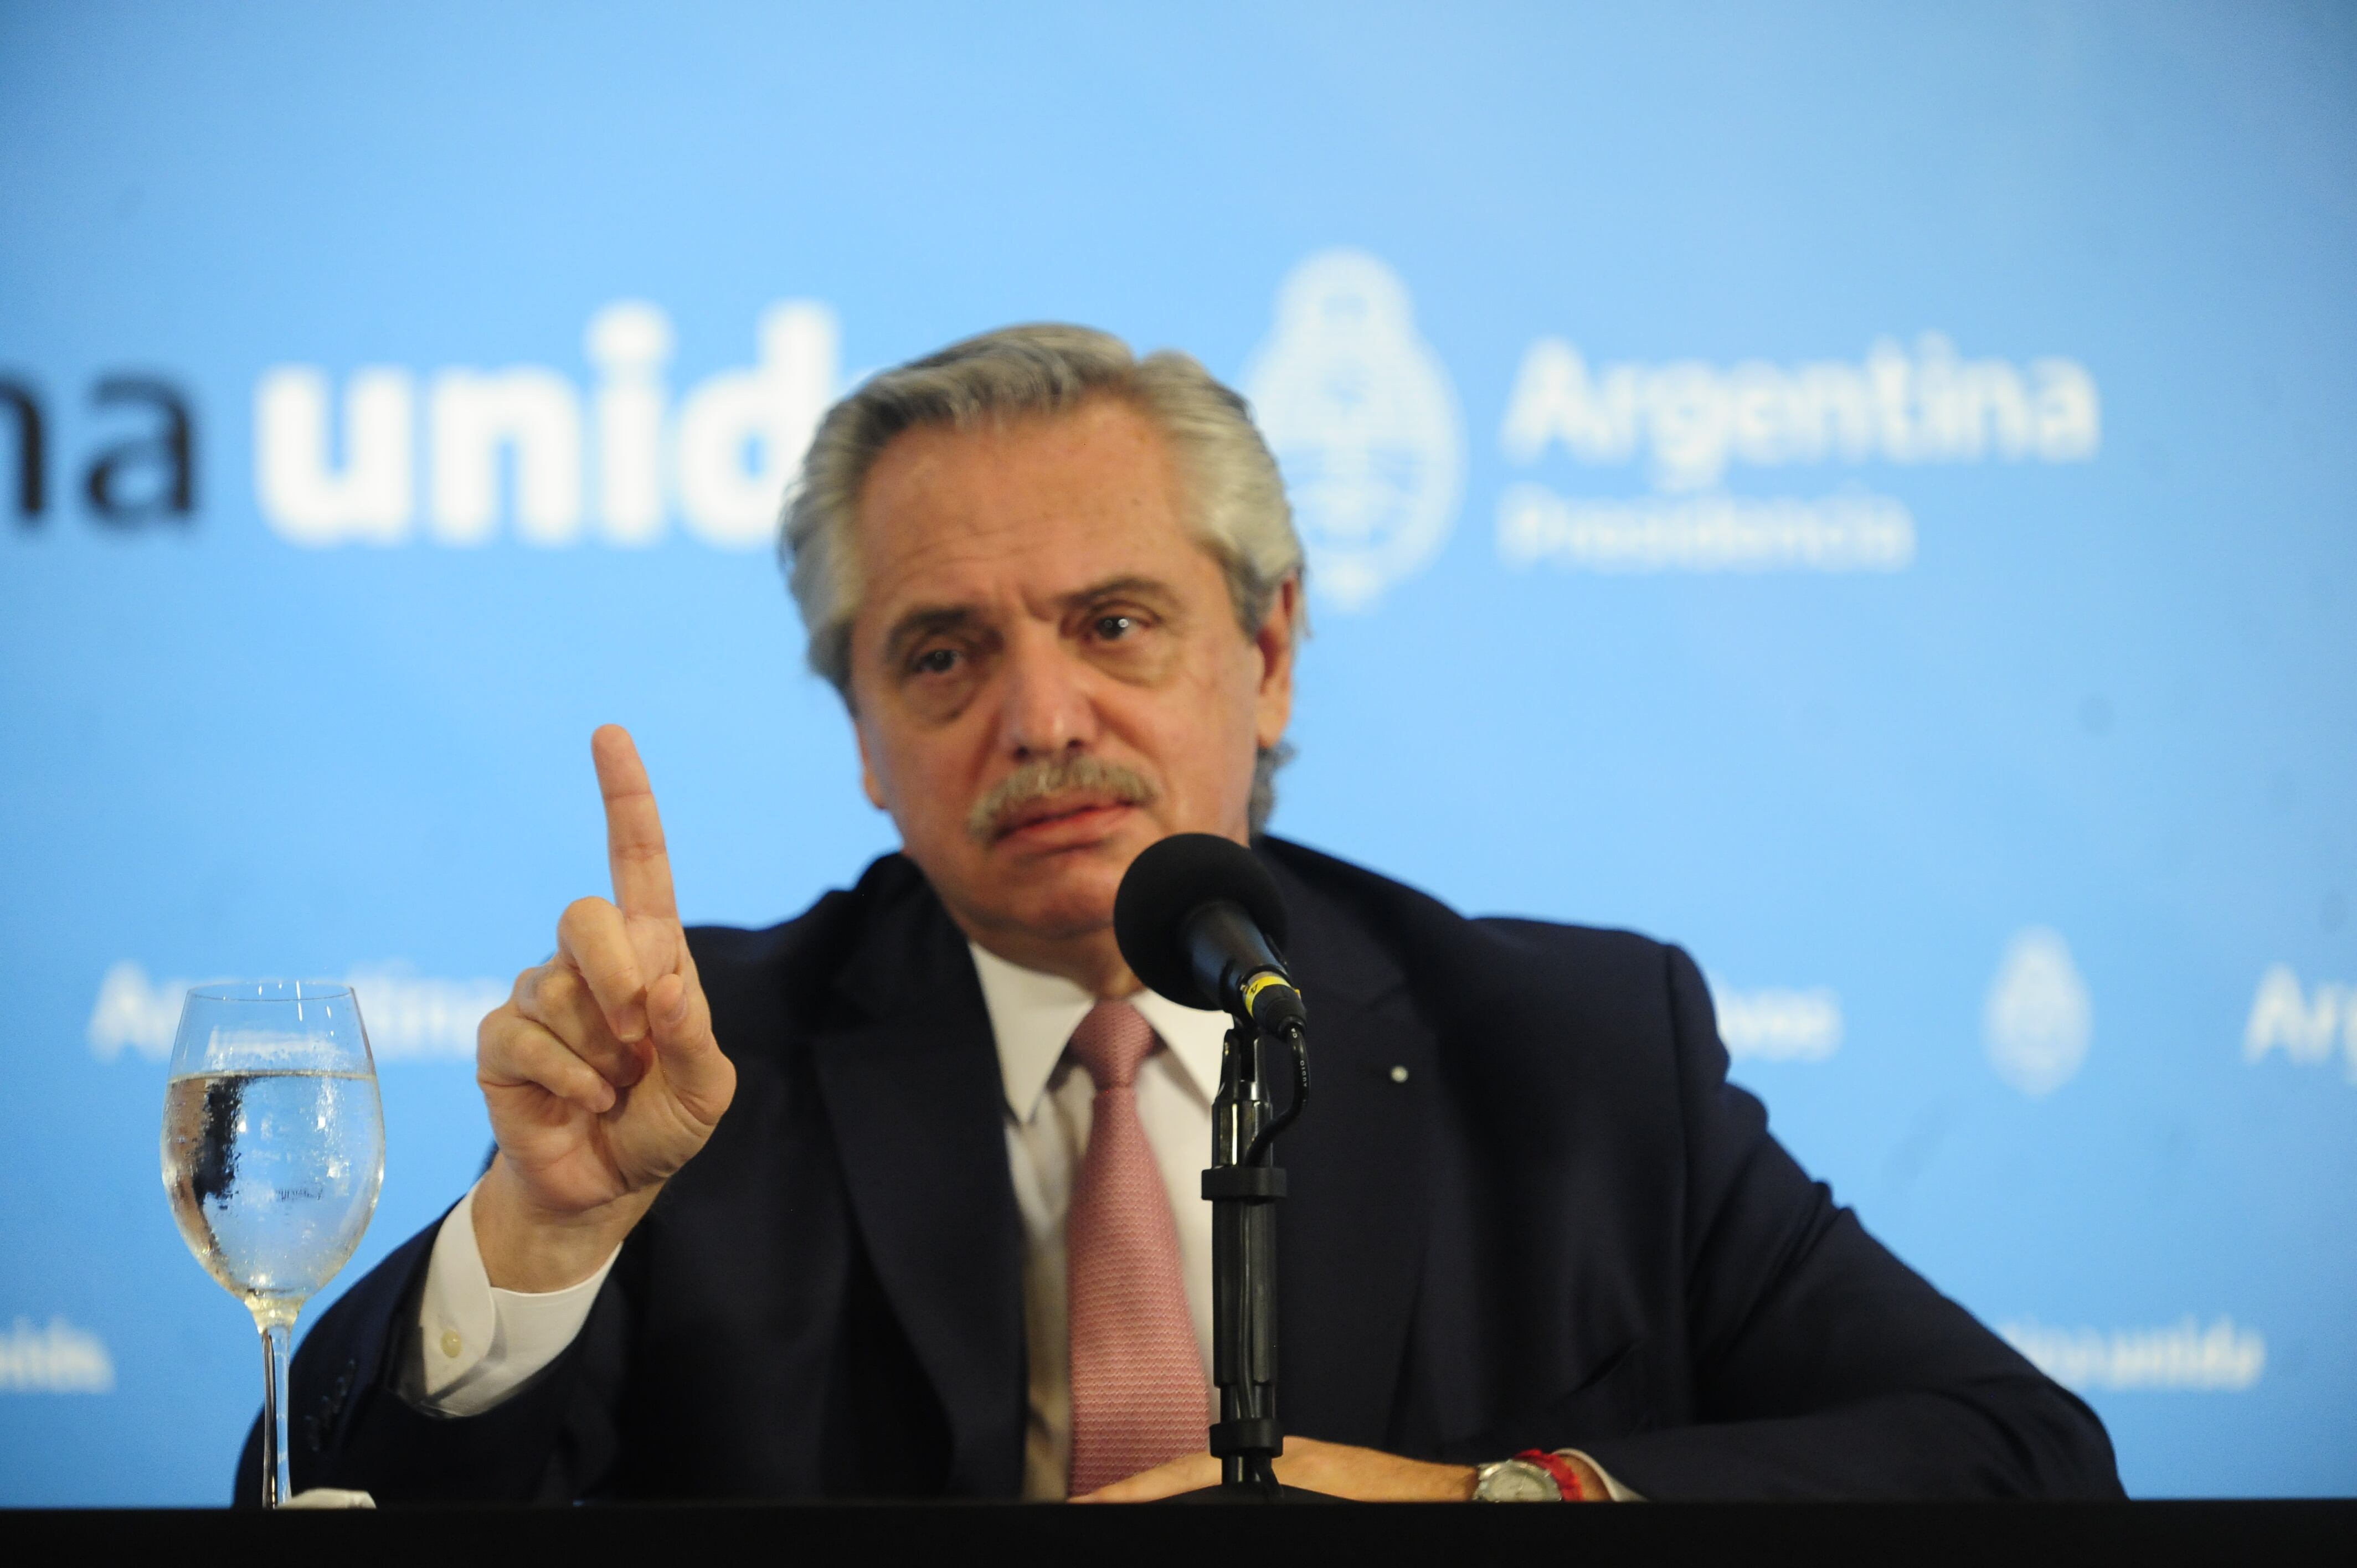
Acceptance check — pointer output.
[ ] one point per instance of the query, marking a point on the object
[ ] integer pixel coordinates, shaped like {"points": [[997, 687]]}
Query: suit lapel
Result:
{"points": [[912, 1087], [1351, 1232], [911, 1082]]}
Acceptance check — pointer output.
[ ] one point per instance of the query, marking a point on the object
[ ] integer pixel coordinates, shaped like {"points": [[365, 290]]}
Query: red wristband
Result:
{"points": [[1566, 1479]]}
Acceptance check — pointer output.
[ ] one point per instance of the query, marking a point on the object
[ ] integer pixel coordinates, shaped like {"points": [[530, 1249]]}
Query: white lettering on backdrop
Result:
{"points": [[1777, 1025], [409, 1017], [58, 1360], [2301, 1024], [2182, 1356], [735, 445], [1358, 407], [1847, 531], [1693, 419]]}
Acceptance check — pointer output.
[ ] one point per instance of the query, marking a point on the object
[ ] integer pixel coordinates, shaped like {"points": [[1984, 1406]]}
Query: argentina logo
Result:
{"points": [[1363, 421], [2038, 1021]]}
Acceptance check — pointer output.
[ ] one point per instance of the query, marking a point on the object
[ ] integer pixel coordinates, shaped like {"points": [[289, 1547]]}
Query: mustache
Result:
{"points": [[1048, 777]]}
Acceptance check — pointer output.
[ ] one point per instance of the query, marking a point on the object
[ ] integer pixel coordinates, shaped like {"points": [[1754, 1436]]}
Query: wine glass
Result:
{"points": [[274, 1150]]}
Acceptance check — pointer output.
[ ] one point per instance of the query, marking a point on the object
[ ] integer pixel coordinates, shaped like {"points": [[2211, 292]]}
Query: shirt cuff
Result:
{"points": [[479, 1344], [1619, 1493]]}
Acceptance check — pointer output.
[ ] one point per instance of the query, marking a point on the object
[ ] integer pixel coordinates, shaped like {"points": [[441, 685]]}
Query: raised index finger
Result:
{"points": [[634, 835]]}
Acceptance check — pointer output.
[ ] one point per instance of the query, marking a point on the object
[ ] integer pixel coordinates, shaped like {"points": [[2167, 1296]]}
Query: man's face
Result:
{"points": [[1046, 671]]}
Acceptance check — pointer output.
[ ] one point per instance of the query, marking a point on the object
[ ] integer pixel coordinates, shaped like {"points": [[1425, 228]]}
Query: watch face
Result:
{"points": [[1516, 1481]]}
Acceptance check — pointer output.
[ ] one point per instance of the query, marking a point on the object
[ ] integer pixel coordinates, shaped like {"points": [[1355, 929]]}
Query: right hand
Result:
{"points": [[601, 1071]]}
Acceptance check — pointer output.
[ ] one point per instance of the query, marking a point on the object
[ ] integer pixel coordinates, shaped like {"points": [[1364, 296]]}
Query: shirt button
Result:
{"points": [[451, 1343]]}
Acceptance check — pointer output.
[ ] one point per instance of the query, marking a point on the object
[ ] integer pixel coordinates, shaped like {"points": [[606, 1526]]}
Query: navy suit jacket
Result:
{"points": [[1560, 1225]]}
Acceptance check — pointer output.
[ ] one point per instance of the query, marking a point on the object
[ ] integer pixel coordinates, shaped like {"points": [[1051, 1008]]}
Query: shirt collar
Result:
{"points": [[1033, 1017]]}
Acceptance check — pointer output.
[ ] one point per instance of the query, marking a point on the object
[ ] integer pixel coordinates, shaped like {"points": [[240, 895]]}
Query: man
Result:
{"points": [[899, 1197]]}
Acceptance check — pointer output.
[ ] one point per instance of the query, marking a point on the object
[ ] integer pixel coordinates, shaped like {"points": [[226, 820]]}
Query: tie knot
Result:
{"points": [[1111, 1041]]}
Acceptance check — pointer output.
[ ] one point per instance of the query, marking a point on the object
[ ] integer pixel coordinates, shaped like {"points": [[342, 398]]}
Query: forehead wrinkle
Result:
{"points": [[965, 562]]}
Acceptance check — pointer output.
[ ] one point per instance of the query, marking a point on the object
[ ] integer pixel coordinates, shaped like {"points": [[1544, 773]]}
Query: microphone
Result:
{"points": [[1200, 920]]}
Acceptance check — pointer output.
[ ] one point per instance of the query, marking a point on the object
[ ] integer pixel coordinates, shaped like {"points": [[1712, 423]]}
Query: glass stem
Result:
{"points": [[275, 1484]]}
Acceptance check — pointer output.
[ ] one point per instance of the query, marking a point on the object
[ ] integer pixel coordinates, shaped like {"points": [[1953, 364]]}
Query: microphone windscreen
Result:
{"points": [[1168, 883]]}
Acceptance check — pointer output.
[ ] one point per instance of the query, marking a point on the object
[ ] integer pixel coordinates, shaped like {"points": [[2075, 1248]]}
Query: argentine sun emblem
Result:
{"points": [[2038, 1021], [1363, 423]]}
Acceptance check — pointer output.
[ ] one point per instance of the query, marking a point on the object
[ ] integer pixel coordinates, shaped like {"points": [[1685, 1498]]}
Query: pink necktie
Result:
{"points": [[1139, 1396]]}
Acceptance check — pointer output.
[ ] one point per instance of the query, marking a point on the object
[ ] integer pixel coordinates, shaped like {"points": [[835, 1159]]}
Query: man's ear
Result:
{"points": [[867, 767], [1281, 632]]}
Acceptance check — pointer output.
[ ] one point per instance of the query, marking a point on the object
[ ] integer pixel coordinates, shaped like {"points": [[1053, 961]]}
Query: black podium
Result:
{"points": [[1817, 1535]]}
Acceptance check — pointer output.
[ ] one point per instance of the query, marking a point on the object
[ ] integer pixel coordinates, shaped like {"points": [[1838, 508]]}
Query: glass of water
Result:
{"points": [[274, 1150]]}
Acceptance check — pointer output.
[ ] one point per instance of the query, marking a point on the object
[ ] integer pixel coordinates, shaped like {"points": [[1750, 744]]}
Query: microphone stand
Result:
{"points": [[1244, 1186]]}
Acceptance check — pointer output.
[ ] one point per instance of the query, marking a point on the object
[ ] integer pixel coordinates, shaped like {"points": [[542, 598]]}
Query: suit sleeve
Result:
{"points": [[1824, 1367], [351, 1425]]}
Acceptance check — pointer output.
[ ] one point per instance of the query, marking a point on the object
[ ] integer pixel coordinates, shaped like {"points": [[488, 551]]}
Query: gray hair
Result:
{"points": [[1233, 494]]}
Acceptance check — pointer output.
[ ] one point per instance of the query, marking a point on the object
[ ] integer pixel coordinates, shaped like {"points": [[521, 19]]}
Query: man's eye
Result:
{"points": [[935, 661], [1113, 629]]}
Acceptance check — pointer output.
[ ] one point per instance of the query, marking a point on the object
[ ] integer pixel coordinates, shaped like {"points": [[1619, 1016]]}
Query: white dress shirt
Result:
{"points": [[479, 1344]]}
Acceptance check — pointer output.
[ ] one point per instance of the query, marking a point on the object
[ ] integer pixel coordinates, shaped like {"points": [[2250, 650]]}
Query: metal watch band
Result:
{"points": [[1515, 1481]]}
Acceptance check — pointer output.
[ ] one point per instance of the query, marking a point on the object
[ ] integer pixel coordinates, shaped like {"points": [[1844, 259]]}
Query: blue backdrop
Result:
{"points": [[1862, 491]]}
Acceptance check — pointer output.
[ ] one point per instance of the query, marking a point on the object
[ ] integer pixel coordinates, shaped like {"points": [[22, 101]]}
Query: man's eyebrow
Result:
{"points": [[927, 620], [931, 620], [1153, 588]]}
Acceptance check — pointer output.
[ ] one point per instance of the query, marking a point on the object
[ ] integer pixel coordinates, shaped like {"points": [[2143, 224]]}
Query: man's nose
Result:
{"points": [[1048, 708]]}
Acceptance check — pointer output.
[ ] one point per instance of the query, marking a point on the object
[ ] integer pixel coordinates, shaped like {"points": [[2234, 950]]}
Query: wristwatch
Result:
{"points": [[1530, 1477]]}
